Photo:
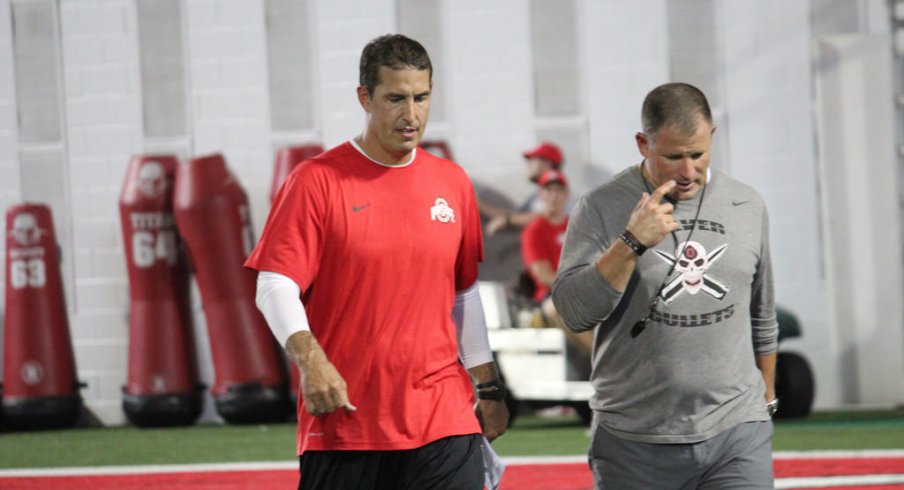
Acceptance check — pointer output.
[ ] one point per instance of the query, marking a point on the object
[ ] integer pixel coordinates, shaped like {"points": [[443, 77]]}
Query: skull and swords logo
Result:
{"points": [[152, 179], [25, 230], [692, 263]]}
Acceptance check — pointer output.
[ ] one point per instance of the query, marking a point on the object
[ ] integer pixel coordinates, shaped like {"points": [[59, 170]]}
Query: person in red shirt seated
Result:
{"points": [[541, 246]]}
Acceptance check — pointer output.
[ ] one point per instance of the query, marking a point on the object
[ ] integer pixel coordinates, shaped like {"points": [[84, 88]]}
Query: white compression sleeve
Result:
{"points": [[278, 298], [471, 327]]}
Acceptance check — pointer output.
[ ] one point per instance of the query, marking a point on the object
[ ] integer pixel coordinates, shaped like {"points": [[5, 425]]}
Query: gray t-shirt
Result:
{"points": [[690, 374]]}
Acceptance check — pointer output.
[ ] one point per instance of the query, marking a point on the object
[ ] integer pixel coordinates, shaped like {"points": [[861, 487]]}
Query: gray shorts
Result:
{"points": [[740, 457]]}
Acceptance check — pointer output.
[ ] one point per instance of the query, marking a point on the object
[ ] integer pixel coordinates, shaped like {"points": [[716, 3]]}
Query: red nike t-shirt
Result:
{"points": [[542, 240], [379, 253]]}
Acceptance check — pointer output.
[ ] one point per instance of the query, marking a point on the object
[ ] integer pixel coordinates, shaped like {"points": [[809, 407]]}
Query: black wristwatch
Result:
{"points": [[492, 390], [772, 407]]}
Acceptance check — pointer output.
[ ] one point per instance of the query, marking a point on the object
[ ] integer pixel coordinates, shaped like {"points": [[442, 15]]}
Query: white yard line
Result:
{"points": [[151, 468], [526, 460], [837, 481], [862, 453]]}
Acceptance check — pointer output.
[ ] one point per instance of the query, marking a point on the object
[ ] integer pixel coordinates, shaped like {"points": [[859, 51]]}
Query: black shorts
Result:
{"points": [[450, 463]]}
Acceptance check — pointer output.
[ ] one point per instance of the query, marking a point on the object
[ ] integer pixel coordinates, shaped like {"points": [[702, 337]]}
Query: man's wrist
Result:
{"points": [[497, 394], [633, 243], [491, 390], [304, 350], [489, 384]]}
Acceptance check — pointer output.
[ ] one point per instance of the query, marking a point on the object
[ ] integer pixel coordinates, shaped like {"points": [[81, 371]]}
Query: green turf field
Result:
{"points": [[529, 436]]}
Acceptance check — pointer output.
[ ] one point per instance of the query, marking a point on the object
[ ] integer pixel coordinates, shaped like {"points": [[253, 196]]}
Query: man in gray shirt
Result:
{"points": [[669, 264]]}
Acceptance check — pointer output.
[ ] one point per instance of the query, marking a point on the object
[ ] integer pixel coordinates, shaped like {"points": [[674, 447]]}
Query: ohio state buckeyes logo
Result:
{"points": [[692, 266], [440, 211]]}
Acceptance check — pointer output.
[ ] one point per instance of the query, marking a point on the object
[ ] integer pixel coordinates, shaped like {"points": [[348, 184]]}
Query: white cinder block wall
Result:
{"points": [[626, 56], [490, 90], [753, 58], [103, 129]]}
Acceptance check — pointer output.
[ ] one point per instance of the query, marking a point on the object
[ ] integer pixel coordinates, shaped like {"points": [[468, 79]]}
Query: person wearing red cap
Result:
{"points": [[543, 157], [541, 246], [546, 156]]}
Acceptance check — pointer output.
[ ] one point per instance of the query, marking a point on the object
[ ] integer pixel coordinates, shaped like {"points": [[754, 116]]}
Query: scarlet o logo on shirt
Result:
{"points": [[440, 211]]}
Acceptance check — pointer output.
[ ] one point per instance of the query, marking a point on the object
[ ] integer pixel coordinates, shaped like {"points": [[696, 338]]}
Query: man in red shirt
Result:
{"points": [[541, 246], [381, 242]]}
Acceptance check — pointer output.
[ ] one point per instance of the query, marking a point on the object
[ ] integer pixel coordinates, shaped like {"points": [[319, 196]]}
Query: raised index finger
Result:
{"points": [[662, 190]]}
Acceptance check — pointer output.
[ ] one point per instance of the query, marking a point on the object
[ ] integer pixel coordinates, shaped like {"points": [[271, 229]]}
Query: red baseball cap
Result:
{"points": [[548, 151], [552, 176]]}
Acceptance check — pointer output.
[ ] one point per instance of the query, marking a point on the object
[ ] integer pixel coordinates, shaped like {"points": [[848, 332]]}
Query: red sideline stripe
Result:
{"points": [[571, 476], [574, 476]]}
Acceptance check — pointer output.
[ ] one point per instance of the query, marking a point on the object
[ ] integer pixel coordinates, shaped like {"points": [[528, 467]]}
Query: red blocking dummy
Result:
{"points": [[286, 160], [212, 214], [40, 389], [163, 387]]}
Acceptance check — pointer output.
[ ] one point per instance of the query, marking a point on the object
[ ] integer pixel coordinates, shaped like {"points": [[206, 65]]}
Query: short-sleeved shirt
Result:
{"points": [[542, 240], [379, 253]]}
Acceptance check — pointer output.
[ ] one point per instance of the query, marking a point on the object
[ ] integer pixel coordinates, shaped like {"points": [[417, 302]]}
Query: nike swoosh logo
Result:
{"points": [[738, 203], [359, 208]]}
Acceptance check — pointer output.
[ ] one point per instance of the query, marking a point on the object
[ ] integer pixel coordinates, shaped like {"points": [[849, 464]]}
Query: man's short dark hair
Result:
{"points": [[678, 104], [393, 51]]}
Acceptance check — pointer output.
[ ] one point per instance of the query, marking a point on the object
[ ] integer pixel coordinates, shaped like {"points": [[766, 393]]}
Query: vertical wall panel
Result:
{"points": [[554, 54], [162, 68], [290, 57], [36, 41]]}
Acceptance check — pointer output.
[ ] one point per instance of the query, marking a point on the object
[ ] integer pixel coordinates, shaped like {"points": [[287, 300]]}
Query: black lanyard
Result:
{"points": [[642, 324]]}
